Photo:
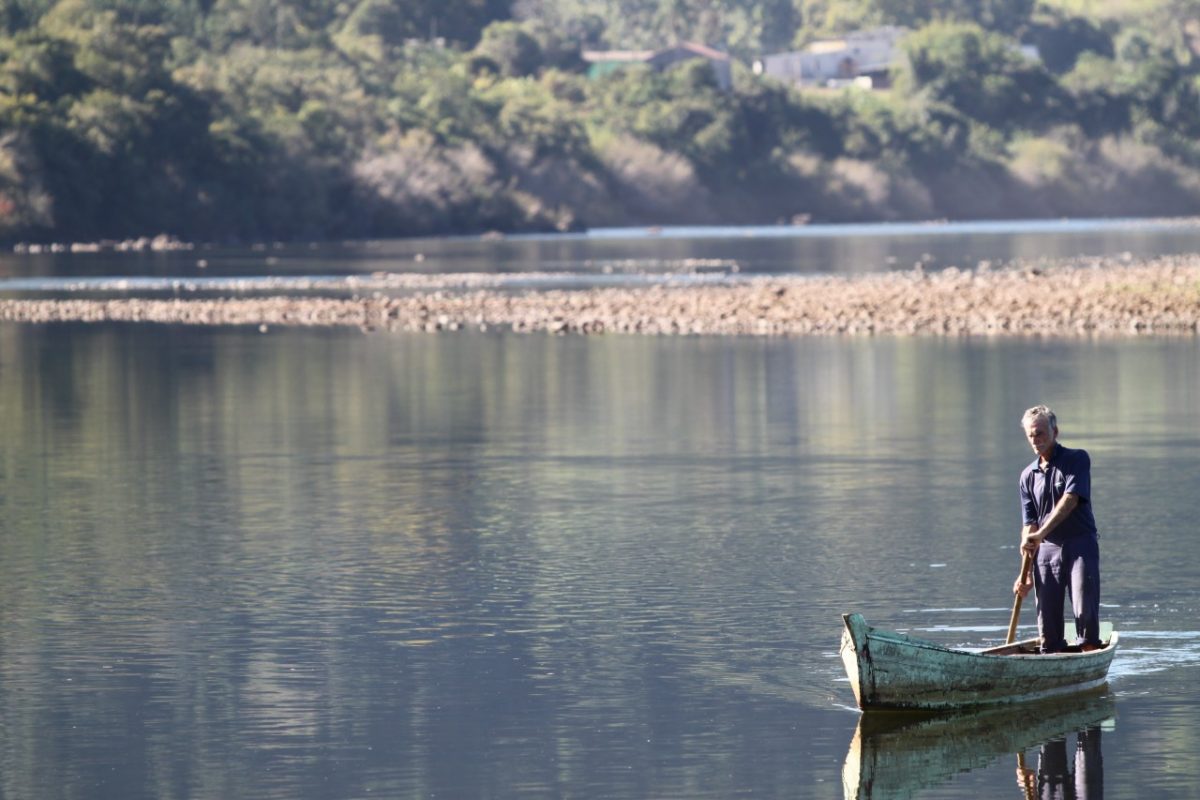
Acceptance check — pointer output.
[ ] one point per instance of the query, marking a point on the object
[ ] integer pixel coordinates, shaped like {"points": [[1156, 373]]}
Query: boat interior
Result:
{"points": [[1032, 647]]}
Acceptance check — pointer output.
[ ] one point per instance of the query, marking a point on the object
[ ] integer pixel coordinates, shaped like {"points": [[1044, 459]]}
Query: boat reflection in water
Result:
{"points": [[895, 755]]}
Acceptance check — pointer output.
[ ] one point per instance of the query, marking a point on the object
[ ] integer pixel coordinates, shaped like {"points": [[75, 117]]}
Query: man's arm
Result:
{"points": [[1024, 581], [1032, 536]]}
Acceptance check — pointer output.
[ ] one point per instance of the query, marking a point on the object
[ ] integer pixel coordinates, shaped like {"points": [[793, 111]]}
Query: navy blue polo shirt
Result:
{"points": [[1069, 471]]}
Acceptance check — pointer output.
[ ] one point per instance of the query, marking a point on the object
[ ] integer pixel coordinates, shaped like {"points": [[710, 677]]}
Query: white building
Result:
{"points": [[863, 57]]}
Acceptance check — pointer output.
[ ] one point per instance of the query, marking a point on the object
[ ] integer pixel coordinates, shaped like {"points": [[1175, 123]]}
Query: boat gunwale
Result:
{"points": [[904, 640]]}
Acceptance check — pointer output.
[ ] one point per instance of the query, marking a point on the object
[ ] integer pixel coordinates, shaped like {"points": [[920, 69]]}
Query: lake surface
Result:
{"points": [[327, 564], [842, 249]]}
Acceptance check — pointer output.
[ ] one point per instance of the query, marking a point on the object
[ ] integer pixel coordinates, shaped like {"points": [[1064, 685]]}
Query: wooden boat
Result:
{"points": [[894, 756], [892, 670]]}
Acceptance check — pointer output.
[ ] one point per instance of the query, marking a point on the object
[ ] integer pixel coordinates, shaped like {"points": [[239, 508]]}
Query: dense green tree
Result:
{"points": [[513, 50], [1099, 105], [39, 66], [983, 75], [19, 15], [827, 17], [1061, 39], [745, 28]]}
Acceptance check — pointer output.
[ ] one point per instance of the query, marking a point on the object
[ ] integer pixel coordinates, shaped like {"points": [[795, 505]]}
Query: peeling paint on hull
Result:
{"points": [[891, 670]]}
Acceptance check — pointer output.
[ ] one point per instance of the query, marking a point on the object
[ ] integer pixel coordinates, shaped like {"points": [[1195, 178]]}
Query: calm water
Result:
{"points": [[323, 564], [616, 252]]}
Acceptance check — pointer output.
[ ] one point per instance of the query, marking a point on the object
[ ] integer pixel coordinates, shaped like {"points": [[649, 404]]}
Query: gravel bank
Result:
{"points": [[1161, 296]]}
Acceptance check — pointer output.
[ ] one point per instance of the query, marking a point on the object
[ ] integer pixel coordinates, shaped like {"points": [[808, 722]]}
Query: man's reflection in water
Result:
{"points": [[1057, 778]]}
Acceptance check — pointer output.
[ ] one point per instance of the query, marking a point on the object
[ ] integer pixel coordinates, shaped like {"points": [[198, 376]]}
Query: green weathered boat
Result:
{"points": [[892, 670]]}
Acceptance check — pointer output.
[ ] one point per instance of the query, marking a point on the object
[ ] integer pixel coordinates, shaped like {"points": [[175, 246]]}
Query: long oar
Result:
{"points": [[1026, 563], [1028, 778]]}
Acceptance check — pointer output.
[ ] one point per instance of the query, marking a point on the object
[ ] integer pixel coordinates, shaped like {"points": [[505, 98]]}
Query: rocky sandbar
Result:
{"points": [[1077, 297]]}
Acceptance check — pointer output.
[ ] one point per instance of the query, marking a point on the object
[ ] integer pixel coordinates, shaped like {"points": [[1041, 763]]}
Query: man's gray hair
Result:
{"points": [[1039, 412]]}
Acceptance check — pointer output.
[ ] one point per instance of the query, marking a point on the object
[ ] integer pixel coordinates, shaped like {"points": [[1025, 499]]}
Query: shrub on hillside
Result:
{"points": [[653, 184]]}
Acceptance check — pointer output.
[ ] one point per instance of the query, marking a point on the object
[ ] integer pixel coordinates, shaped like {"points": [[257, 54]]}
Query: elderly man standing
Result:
{"points": [[1059, 532]]}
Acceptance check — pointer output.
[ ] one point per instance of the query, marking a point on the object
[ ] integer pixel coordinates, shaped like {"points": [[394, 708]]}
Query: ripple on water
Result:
{"points": [[1148, 652]]}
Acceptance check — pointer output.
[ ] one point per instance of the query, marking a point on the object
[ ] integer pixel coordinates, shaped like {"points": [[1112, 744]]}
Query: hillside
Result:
{"points": [[237, 120]]}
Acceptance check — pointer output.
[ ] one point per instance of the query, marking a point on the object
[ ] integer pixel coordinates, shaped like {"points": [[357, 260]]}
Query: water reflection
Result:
{"points": [[899, 755], [1079, 777], [325, 565]]}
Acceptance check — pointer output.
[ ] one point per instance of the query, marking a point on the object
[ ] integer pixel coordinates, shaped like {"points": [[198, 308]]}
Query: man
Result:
{"points": [[1059, 532]]}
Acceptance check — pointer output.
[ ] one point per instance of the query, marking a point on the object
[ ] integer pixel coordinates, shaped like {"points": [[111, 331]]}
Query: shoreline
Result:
{"points": [[1071, 297], [161, 243], [167, 243]]}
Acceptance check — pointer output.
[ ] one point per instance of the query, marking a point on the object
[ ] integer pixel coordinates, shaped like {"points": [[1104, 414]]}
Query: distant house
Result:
{"points": [[603, 62], [863, 57]]}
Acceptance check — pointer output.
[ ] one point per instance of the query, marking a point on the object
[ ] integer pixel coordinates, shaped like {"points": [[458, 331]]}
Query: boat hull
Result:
{"points": [[891, 670]]}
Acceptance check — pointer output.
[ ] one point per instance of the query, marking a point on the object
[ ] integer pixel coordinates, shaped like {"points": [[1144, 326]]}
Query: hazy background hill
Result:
{"points": [[234, 120]]}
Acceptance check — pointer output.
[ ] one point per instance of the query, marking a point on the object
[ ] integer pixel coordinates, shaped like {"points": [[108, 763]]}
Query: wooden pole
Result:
{"points": [[1027, 777], [1026, 563]]}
